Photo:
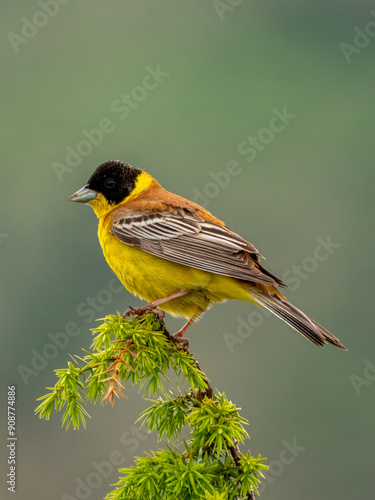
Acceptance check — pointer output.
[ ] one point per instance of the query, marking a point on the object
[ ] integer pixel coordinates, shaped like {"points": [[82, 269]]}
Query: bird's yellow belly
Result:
{"points": [[152, 278]]}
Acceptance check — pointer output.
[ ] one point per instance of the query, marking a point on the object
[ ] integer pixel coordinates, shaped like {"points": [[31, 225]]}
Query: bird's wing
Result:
{"points": [[188, 239]]}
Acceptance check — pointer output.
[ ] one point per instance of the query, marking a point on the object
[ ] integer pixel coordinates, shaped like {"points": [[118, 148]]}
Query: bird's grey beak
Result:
{"points": [[83, 195]]}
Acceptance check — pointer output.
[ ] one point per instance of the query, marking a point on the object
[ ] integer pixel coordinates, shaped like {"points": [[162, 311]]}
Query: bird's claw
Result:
{"points": [[139, 311], [183, 341]]}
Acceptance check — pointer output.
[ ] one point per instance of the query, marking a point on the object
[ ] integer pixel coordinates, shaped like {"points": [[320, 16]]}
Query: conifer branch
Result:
{"points": [[140, 350]]}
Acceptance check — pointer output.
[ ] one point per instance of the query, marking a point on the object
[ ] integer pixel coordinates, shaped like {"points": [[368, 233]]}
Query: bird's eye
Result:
{"points": [[109, 183]]}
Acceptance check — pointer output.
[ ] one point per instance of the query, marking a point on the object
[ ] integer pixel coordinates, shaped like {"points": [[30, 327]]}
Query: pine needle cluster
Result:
{"points": [[209, 465]]}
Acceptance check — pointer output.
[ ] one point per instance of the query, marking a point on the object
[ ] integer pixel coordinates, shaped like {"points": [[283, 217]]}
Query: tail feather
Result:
{"points": [[286, 311]]}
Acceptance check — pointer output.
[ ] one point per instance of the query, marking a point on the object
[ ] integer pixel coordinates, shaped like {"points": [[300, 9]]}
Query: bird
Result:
{"points": [[177, 256]]}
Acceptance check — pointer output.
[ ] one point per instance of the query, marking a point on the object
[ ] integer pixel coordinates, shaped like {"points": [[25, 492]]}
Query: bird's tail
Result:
{"points": [[275, 302]]}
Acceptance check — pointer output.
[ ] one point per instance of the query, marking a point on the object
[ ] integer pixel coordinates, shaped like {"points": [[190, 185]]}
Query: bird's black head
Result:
{"points": [[114, 179]]}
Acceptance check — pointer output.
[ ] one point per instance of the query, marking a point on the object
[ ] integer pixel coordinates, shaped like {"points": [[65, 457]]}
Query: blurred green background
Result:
{"points": [[225, 69]]}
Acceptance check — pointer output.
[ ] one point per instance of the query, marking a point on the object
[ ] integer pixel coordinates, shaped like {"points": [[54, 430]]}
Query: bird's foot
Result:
{"points": [[139, 311], [153, 306], [183, 341], [179, 336]]}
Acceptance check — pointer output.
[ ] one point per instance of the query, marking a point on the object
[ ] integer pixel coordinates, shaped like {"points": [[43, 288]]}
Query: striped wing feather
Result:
{"points": [[186, 238]]}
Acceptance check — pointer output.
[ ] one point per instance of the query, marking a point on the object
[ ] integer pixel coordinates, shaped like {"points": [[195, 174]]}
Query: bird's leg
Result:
{"points": [[153, 306], [179, 336]]}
